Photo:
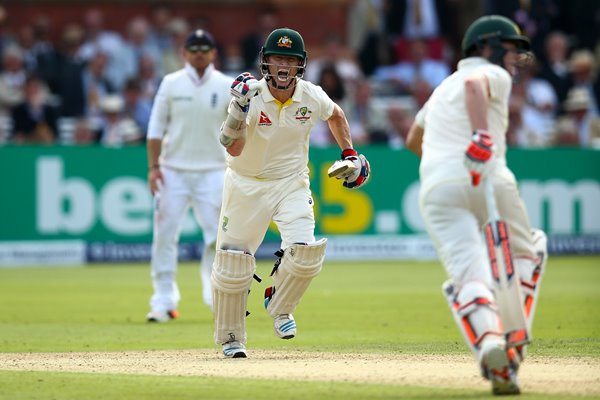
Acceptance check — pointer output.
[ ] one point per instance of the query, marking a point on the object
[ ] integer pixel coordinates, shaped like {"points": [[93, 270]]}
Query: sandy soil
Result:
{"points": [[540, 375]]}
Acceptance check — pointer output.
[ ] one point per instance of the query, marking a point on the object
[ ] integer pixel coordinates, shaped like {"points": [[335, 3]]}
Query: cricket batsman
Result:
{"points": [[266, 134], [460, 133]]}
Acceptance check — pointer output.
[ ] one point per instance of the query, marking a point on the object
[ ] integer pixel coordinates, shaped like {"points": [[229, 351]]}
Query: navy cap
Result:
{"points": [[200, 40]]}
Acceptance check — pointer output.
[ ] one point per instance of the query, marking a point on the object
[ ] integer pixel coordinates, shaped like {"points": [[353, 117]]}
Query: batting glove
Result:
{"points": [[361, 174], [478, 155], [244, 88]]}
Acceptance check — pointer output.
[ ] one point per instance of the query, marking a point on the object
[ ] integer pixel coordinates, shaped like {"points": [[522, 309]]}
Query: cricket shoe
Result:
{"points": [[234, 349], [162, 316], [497, 367], [285, 326]]}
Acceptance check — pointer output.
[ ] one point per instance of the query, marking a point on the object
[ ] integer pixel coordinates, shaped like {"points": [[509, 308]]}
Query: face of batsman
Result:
{"points": [[283, 57]]}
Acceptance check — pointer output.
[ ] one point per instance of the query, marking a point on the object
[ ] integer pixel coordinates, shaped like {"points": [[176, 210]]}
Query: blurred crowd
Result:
{"points": [[96, 85]]}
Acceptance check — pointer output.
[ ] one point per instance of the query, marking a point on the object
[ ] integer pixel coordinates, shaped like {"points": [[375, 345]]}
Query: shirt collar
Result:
{"points": [[472, 61], [193, 74], [267, 96]]}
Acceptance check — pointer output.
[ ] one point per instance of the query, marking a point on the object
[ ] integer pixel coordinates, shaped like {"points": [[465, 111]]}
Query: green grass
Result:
{"points": [[383, 307]]}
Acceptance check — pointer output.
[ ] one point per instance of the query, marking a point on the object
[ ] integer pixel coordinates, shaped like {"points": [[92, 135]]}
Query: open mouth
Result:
{"points": [[283, 75]]}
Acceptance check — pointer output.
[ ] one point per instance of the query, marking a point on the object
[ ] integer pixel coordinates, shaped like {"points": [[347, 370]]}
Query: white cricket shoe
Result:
{"points": [[234, 349], [285, 326], [161, 316], [498, 369]]}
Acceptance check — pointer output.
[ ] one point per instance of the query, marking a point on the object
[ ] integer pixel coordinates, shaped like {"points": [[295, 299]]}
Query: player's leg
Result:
{"points": [[529, 246], [169, 207], [301, 256], [243, 223], [231, 279], [206, 201], [456, 235]]}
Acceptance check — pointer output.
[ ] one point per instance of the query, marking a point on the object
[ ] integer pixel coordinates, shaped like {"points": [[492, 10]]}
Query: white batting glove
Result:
{"points": [[243, 89], [354, 169]]}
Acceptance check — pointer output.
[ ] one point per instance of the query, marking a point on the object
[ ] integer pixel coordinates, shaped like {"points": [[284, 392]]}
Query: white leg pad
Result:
{"points": [[299, 265], [530, 272], [231, 279], [474, 310]]}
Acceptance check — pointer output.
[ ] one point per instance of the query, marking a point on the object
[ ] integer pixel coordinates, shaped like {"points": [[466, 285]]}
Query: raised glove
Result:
{"points": [[478, 155], [244, 88], [356, 175]]}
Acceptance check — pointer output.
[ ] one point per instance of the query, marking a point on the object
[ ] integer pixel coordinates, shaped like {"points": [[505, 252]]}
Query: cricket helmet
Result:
{"points": [[492, 30], [284, 42]]}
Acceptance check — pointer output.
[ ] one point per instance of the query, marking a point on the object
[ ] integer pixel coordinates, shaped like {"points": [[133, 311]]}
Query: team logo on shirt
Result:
{"points": [[264, 120], [303, 114]]}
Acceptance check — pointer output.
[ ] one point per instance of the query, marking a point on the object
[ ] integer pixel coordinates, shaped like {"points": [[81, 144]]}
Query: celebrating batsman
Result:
{"points": [[266, 134], [186, 166], [460, 135]]}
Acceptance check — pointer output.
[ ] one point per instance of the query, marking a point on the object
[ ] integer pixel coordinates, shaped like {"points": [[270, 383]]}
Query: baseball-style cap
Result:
{"points": [[200, 40]]}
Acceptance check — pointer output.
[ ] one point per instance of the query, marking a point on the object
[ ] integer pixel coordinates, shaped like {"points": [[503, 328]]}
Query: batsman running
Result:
{"points": [[266, 134], [460, 134]]}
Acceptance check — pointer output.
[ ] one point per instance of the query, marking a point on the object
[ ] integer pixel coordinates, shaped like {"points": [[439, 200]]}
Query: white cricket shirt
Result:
{"points": [[187, 114], [446, 122], [278, 134]]}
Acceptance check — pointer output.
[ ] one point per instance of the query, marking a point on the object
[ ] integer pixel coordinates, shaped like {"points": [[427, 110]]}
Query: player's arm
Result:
{"points": [[477, 93], [414, 140], [339, 127], [153, 147], [353, 168], [233, 130], [479, 152]]}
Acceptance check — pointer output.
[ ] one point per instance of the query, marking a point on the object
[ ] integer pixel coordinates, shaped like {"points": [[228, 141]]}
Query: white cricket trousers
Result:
{"points": [[250, 204], [202, 190], [454, 214]]}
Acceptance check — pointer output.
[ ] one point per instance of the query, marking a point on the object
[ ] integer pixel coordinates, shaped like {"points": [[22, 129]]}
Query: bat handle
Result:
{"points": [[490, 200]]}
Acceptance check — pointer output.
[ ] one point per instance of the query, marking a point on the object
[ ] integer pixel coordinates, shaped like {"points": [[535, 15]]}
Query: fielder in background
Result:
{"points": [[464, 123], [266, 134], [186, 165]]}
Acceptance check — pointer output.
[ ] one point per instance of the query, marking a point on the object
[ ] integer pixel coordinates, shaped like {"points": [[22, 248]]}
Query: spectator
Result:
{"points": [[148, 77], [12, 79], [554, 67], [117, 129], [337, 54], [82, 133], [581, 65], [252, 42], [160, 30], [172, 57], [64, 73], [333, 85], [420, 68], [108, 42], [137, 107], [578, 107], [96, 87], [400, 121], [34, 121], [138, 45]]}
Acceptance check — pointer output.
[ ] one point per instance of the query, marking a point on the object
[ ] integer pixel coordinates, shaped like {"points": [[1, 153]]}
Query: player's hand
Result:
{"points": [[357, 174], [155, 180], [243, 89], [478, 155]]}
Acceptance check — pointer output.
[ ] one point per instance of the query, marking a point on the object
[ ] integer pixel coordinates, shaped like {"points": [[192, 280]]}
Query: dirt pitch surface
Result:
{"points": [[540, 375]]}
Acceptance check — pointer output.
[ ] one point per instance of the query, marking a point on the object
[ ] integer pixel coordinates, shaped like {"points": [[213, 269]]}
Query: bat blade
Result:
{"points": [[506, 283]]}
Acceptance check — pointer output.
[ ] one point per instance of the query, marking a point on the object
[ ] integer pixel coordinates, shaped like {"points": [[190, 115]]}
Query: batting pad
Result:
{"points": [[530, 273], [231, 279], [299, 265], [474, 310]]}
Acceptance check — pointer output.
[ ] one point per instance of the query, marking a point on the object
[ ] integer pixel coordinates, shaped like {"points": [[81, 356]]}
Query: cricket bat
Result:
{"points": [[504, 276]]}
